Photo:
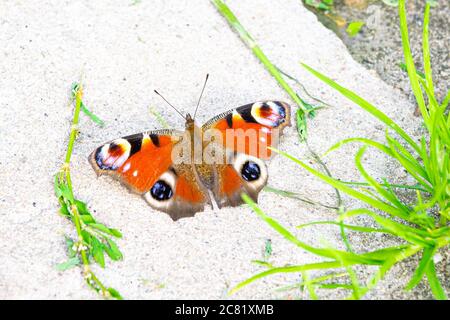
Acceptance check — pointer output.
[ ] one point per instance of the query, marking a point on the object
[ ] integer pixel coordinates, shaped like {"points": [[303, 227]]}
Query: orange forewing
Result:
{"points": [[252, 140], [142, 169]]}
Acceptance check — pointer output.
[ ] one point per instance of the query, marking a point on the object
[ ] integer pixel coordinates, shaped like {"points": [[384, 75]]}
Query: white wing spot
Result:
{"points": [[126, 167], [135, 173], [265, 130]]}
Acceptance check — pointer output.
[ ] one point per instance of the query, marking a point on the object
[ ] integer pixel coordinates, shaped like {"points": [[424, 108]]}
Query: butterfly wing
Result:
{"points": [[244, 135], [251, 128], [244, 174], [143, 162]]}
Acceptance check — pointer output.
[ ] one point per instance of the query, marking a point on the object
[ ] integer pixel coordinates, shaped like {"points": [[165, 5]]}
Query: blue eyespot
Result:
{"points": [[250, 171], [161, 191]]}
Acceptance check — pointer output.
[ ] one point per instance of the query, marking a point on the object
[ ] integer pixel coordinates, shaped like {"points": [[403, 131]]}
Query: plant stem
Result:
{"points": [[74, 129], [89, 276]]}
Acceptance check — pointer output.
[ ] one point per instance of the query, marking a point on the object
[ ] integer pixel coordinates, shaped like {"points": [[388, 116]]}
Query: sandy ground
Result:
{"points": [[125, 51]]}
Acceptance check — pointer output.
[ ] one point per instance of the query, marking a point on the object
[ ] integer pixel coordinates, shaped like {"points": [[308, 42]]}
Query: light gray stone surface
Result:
{"points": [[125, 51]]}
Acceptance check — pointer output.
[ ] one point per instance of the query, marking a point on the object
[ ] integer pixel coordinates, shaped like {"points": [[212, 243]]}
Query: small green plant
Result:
{"points": [[93, 238], [419, 221], [354, 28]]}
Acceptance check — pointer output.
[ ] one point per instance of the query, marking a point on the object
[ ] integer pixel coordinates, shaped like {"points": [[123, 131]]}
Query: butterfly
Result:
{"points": [[180, 172]]}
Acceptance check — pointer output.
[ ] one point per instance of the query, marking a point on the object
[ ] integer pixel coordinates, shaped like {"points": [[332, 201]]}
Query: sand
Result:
{"points": [[125, 51]]}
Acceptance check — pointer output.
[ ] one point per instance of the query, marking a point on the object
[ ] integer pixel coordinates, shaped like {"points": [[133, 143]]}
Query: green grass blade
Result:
{"points": [[434, 282], [315, 281], [415, 170], [412, 73], [426, 48], [309, 286], [248, 40], [445, 102], [344, 188], [385, 253], [387, 265], [365, 141], [327, 253], [289, 269], [392, 185], [365, 105], [346, 226], [410, 234], [296, 196], [427, 256], [380, 190]]}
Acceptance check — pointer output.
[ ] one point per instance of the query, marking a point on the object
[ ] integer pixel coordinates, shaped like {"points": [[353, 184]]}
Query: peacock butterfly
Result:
{"points": [[180, 172]]}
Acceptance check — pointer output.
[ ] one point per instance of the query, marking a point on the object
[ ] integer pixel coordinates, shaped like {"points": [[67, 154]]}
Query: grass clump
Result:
{"points": [[93, 238], [419, 221]]}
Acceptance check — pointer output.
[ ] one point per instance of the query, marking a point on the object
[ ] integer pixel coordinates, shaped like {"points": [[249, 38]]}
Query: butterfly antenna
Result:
{"points": [[201, 94], [170, 104]]}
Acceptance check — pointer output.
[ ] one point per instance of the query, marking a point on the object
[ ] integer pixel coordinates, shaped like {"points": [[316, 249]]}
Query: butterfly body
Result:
{"points": [[181, 172]]}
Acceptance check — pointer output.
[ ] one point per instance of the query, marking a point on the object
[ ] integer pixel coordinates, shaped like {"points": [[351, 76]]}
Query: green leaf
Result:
{"points": [[311, 109], [87, 219], [74, 89], [267, 249], [115, 233], [69, 244], [97, 252], [93, 117], [114, 293], [87, 238], [354, 28], [112, 250], [72, 262], [63, 190], [64, 210], [102, 228], [301, 124], [82, 207]]}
